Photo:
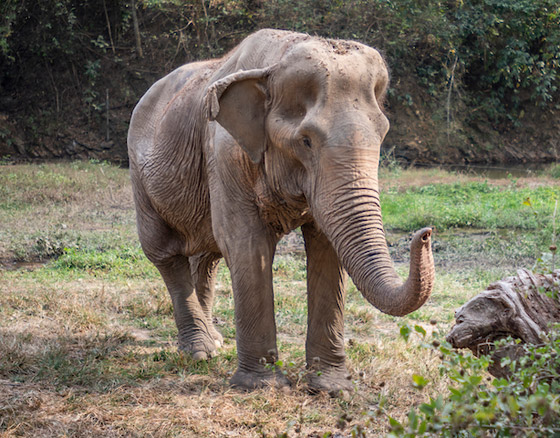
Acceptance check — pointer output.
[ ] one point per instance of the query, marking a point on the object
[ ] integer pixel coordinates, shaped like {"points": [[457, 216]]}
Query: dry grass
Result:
{"points": [[81, 358], [46, 207], [87, 344], [417, 177]]}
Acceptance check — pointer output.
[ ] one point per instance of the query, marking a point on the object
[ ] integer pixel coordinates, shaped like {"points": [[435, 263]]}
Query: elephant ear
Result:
{"points": [[237, 102]]}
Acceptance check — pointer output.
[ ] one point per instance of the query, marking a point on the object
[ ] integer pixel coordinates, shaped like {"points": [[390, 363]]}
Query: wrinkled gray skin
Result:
{"points": [[228, 155]]}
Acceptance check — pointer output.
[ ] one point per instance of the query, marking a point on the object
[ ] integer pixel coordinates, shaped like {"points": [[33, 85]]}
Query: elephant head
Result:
{"points": [[313, 121]]}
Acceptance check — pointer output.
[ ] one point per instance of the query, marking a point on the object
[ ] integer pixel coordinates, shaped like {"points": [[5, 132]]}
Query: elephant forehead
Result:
{"points": [[330, 61]]}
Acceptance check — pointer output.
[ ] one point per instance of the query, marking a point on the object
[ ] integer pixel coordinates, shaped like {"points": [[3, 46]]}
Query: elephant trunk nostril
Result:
{"points": [[426, 235]]}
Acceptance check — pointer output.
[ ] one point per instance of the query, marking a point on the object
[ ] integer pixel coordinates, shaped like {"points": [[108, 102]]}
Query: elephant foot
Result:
{"points": [[335, 381], [253, 380], [201, 349]]}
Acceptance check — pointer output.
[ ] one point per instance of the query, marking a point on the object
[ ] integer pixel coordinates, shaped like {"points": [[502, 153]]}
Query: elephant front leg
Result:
{"points": [[194, 329], [250, 264], [326, 291]]}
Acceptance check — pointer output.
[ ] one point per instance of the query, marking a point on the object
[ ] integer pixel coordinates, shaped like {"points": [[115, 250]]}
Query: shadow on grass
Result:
{"points": [[100, 362]]}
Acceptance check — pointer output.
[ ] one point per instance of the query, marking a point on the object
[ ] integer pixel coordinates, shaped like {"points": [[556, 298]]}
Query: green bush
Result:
{"points": [[470, 62], [511, 49], [525, 405], [500, 52], [553, 171]]}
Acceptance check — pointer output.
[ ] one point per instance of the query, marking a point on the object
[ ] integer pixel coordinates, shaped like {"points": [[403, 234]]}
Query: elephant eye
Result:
{"points": [[307, 142]]}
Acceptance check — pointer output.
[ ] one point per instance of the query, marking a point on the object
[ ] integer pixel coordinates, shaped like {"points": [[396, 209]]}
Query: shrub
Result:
{"points": [[525, 405], [553, 171]]}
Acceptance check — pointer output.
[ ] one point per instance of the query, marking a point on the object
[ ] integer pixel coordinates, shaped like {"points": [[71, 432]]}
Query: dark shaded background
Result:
{"points": [[474, 81]]}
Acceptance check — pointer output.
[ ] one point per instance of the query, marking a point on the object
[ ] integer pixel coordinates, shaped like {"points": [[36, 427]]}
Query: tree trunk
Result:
{"points": [[136, 29], [522, 307]]}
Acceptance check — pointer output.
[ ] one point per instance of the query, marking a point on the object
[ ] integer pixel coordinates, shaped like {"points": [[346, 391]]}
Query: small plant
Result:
{"points": [[388, 162], [527, 404], [49, 246], [553, 171], [295, 373]]}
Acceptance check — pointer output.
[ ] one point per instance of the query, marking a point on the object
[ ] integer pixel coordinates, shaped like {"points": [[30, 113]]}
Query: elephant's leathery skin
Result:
{"points": [[228, 155]]}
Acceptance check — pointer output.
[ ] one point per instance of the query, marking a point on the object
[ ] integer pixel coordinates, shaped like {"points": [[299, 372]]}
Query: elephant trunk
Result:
{"points": [[351, 218]]}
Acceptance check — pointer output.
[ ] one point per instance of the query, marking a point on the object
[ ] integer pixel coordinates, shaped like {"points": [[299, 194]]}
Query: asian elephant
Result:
{"points": [[228, 155]]}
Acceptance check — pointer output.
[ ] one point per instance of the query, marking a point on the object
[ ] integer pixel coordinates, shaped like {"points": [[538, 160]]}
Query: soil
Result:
{"points": [[420, 134]]}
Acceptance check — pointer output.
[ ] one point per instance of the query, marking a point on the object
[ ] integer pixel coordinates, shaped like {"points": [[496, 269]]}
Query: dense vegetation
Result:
{"points": [[474, 77]]}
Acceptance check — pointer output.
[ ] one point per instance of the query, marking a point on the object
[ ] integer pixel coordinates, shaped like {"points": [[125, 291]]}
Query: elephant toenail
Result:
{"points": [[200, 355]]}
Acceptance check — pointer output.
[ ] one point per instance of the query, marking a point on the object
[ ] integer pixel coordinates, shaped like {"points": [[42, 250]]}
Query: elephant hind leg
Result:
{"points": [[203, 269], [165, 248], [195, 331]]}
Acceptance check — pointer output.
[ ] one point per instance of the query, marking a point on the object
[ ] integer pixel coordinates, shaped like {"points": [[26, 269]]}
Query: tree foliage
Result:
{"points": [[500, 58]]}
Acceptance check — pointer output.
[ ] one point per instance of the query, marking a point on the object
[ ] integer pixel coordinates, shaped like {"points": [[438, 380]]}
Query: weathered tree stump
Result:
{"points": [[523, 307]]}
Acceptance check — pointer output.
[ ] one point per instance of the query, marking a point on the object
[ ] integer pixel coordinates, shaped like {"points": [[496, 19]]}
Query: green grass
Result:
{"points": [[475, 204], [121, 262], [87, 337]]}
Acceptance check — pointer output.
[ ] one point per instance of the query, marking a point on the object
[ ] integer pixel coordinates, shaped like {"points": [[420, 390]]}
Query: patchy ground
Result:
{"points": [[88, 342]]}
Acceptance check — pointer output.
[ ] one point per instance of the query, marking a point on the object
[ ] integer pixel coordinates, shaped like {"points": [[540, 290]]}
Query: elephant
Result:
{"points": [[228, 155]]}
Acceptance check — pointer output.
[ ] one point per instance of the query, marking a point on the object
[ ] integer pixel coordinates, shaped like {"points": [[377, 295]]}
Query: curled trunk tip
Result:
{"points": [[389, 294], [418, 287], [421, 237]]}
